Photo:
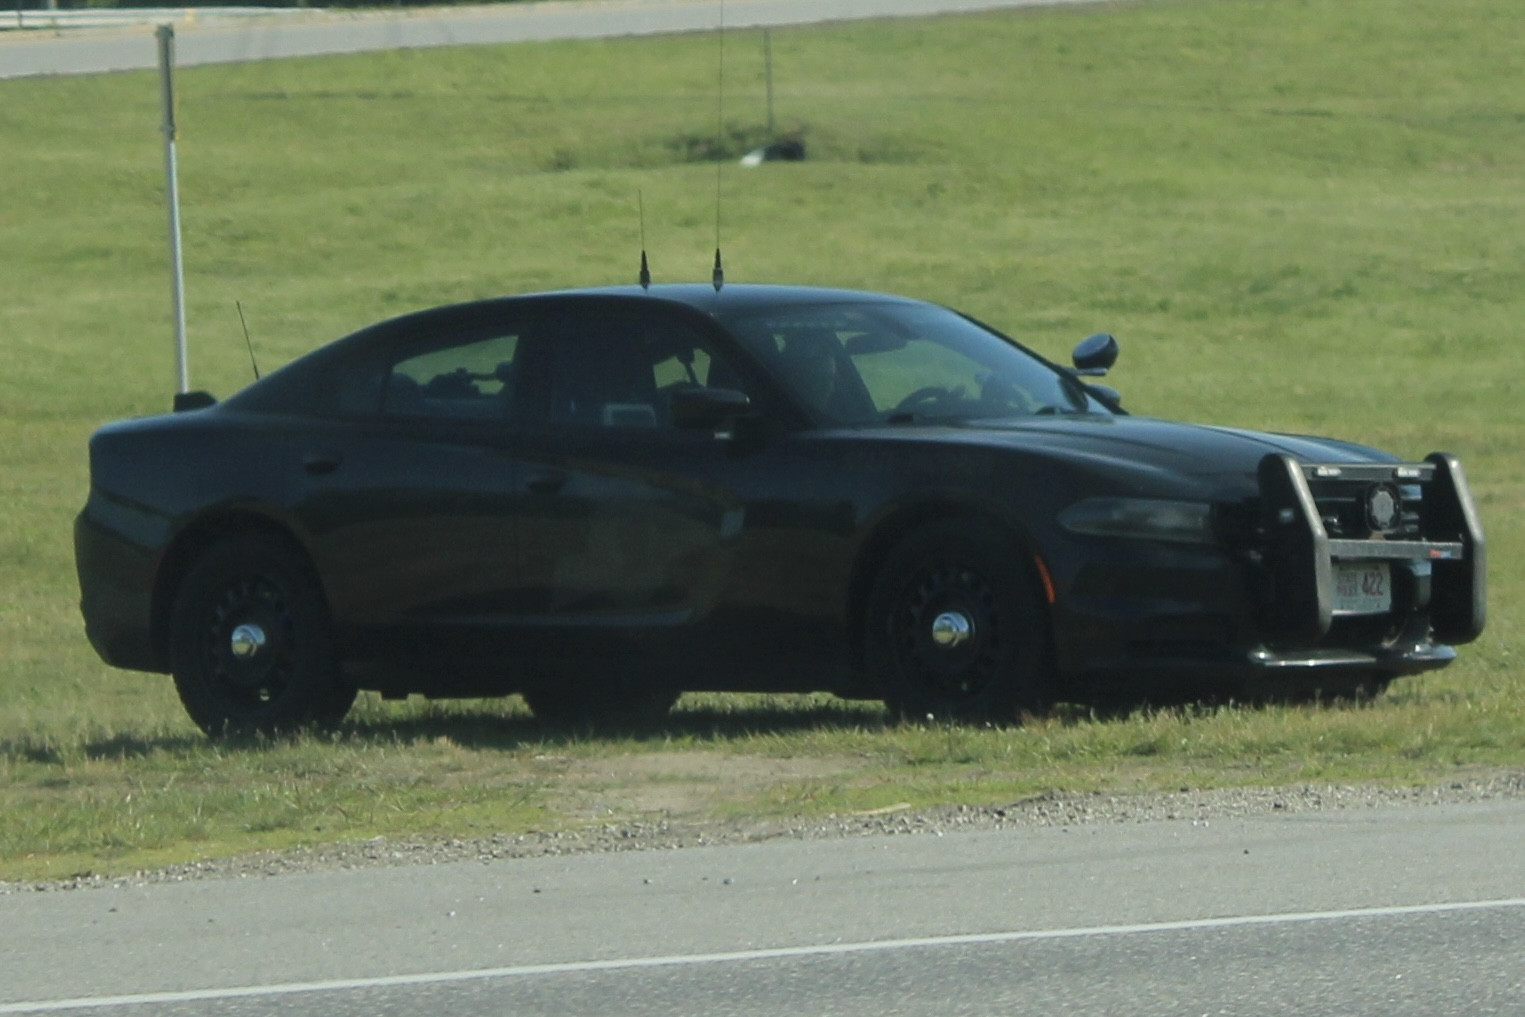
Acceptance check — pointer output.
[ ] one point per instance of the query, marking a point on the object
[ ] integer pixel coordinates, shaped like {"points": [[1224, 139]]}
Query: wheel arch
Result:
{"points": [[889, 532], [192, 542]]}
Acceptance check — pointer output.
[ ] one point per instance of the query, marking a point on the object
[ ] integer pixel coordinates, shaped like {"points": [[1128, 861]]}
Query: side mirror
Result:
{"points": [[1095, 355], [711, 409]]}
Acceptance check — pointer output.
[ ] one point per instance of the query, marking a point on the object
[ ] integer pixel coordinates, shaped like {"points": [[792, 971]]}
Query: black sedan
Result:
{"points": [[600, 499]]}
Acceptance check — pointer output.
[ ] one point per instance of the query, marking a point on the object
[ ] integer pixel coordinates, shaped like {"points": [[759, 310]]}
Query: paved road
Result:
{"points": [[207, 40], [1397, 911]]}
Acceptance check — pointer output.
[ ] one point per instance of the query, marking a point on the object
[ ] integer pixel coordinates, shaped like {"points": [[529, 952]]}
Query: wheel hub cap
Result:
{"points": [[951, 629], [247, 641]]}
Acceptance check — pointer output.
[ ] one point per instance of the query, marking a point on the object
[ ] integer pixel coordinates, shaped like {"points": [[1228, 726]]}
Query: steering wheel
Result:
{"points": [[927, 394]]}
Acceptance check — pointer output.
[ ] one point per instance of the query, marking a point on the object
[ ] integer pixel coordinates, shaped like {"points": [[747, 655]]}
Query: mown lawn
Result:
{"points": [[1300, 215]]}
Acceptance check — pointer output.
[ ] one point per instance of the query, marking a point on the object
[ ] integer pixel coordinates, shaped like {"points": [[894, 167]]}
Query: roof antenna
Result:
{"points": [[645, 276], [247, 341], [718, 277]]}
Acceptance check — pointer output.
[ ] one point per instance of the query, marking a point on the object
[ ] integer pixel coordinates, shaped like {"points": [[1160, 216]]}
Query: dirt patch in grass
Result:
{"points": [[679, 784]]}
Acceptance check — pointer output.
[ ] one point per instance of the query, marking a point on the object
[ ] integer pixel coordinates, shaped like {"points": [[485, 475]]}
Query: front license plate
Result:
{"points": [[1362, 587]]}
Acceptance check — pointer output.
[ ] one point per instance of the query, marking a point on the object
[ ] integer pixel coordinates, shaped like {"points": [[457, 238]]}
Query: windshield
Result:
{"points": [[861, 363]]}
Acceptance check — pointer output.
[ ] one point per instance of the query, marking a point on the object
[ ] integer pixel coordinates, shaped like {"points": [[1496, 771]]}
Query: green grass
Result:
{"points": [[1303, 215]]}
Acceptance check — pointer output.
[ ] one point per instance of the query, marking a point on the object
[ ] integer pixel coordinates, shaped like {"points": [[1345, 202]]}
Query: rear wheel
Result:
{"points": [[251, 646], [955, 628]]}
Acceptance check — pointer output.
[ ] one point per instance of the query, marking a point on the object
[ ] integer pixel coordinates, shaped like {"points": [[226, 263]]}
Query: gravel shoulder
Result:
{"points": [[1053, 809]]}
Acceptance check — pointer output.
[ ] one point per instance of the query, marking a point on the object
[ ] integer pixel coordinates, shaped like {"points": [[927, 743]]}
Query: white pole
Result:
{"points": [[768, 64], [166, 35]]}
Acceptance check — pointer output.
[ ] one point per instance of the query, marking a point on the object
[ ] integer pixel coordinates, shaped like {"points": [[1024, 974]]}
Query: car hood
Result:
{"points": [[1214, 457]]}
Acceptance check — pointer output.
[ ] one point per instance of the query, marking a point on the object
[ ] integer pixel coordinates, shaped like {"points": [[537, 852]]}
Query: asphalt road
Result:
{"points": [[207, 39], [1417, 910]]}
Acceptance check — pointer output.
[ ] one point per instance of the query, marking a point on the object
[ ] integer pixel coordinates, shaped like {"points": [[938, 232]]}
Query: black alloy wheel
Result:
{"points": [[955, 628], [251, 646]]}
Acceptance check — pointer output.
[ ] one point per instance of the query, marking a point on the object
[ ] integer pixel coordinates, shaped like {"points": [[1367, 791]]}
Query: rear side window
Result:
{"points": [[461, 375], [466, 380]]}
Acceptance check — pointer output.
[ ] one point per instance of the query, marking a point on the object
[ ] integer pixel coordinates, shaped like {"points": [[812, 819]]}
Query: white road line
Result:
{"points": [[737, 956]]}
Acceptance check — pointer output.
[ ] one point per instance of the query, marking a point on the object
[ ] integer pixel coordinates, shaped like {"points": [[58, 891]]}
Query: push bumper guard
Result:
{"points": [[1300, 554]]}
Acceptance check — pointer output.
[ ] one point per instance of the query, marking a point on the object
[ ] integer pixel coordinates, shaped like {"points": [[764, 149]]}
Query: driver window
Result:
{"points": [[893, 374]]}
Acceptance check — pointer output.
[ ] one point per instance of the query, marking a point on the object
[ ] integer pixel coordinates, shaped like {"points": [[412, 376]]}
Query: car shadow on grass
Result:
{"points": [[113, 748], [490, 727], [709, 721], [700, 724], [713, 721]]}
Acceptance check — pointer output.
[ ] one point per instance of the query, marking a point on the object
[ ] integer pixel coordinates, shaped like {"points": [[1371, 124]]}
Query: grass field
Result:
{"points": [[1303, 215]]}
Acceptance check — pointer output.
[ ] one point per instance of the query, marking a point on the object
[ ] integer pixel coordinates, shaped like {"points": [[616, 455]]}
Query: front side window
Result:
{"points": [[618, 369], [864, 363]]}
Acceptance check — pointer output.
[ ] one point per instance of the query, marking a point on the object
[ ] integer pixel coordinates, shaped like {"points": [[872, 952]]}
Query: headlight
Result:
{"points": [[1185, 522]]}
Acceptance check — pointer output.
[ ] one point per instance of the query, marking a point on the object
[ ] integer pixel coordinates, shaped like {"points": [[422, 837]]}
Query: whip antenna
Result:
{"points": [[247, 341], [645, 277], [718, 277]]}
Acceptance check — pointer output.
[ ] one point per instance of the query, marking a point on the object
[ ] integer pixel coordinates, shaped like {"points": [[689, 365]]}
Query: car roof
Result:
{"points": [[700, 296], [705, 294]]}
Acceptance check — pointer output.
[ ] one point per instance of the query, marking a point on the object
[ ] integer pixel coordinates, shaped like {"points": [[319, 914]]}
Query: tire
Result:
{"points": [[955, 628], [251, 644], [580, 706]]}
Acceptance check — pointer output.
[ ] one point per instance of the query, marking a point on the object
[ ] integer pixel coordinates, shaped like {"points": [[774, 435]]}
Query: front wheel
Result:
{"points": [[955, 627], [251, 646]]}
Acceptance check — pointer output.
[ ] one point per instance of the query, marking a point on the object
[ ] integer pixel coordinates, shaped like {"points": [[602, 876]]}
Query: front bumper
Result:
{"points": [[1299, 552], [1260, 608]]}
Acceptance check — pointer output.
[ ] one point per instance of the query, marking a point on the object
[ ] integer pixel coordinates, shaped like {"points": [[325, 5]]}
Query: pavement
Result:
{"points": [[74, 19], [83, 42], [1368, 912]]}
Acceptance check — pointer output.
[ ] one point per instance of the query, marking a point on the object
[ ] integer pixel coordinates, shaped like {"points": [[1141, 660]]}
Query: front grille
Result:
{"points": [[1342, 508], [1342, 503], [1315, 515]]}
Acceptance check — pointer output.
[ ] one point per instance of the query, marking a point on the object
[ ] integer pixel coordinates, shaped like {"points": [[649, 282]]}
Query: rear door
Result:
{"points": [[411, 494]]}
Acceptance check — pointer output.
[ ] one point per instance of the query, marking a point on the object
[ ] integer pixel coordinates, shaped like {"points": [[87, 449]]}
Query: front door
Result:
{"points": [[630, 525]]}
